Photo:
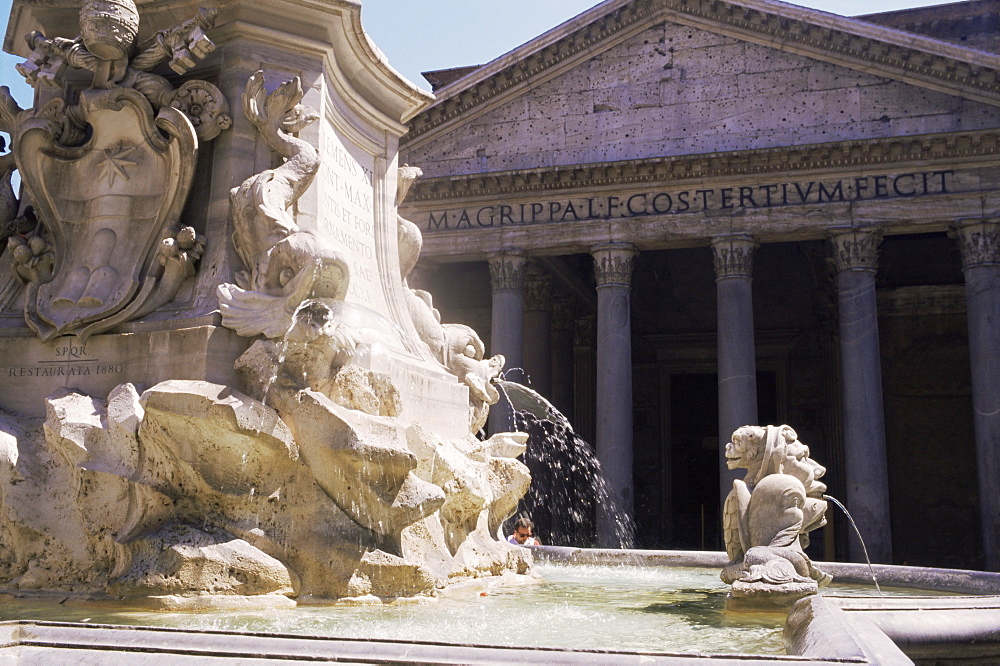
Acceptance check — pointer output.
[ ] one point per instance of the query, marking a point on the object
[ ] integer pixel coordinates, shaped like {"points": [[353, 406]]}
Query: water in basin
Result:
{"points": [[574, 606]]}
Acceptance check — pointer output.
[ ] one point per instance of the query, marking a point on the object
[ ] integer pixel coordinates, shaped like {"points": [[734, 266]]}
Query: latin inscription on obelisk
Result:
{"points": [[347, 214]]}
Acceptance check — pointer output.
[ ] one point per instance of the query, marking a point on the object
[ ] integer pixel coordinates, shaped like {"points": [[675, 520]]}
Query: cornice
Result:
{"points": [[847, 156], [856, 44], [848, 42]]}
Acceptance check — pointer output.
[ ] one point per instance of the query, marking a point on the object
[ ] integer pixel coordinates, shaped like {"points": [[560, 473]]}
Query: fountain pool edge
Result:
{"points": [[821, 630], [880, 630], [24, 641]]}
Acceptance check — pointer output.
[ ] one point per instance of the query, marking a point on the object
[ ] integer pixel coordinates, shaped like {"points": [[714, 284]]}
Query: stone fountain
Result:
{"points": [[218, 388]]}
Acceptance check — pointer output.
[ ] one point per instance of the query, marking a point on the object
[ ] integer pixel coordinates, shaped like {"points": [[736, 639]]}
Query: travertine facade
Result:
{"points": [[671, 127]]}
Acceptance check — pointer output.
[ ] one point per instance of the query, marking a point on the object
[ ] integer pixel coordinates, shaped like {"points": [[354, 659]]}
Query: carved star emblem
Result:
{"points": [[114, 164]]}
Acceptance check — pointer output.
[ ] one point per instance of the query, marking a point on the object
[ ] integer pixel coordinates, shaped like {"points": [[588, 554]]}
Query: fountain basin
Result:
{"points": [[591, 605], [867, 629]]}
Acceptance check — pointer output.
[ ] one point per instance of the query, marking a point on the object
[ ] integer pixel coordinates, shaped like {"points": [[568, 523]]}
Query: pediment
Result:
{"points": [[920, 67]]}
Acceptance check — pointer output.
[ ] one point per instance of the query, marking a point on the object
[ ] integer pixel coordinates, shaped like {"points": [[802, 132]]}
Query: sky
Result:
{"points": [[425, 35]]}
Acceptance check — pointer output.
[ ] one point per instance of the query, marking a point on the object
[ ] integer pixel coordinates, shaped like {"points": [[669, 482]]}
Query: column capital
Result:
{"points": [[979, 241], [613, 263], [733, 255], [855, 249], [537, 292], [507, 269]]}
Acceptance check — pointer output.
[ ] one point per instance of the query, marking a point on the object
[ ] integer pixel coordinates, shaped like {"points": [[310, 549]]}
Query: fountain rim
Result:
{"points": [[826, 617], [954, 581], [40, 640]]}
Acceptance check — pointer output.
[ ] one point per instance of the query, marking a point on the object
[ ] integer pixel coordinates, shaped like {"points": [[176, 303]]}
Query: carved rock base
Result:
{"points": [[746, 597], [194, 495]]}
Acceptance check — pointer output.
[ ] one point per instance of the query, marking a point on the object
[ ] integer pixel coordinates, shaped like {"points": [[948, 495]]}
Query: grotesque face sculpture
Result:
{"points": [[746, 448], [774, 450], [797, 463]]}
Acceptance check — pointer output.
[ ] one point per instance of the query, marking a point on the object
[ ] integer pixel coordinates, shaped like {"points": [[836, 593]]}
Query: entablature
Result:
{"points": [[901, 185]]}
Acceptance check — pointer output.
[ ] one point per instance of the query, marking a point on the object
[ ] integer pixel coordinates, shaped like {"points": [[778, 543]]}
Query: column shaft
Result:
{"points": [[733, 256], [613, 268], [562, 361], [585, 378], [980, 243], [538, 333], [507, 271], [866, 471]]}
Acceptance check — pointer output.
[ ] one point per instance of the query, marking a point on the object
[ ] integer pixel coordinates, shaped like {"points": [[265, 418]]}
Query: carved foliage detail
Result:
{"points": [[508, 271], [95, 161], [979, 241], [538, 292], [613, 265], [205, 106], [563, 314], [584, 332], [856, 249], [733, 256]]}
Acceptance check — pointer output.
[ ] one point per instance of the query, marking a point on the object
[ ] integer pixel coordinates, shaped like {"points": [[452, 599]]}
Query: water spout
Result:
{"points": [[858, 532], [568, 488]]}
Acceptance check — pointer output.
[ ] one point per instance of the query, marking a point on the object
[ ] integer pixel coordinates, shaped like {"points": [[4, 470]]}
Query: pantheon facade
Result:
{"points": [[682, 216]]}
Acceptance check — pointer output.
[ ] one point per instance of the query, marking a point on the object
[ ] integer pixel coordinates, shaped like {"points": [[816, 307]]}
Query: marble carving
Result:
{"points": [[768, 516], [107, 173], [300, 480]]}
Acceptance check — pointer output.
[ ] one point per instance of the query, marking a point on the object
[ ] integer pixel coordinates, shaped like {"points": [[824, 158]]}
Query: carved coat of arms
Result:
{"points": [[107, 171]]}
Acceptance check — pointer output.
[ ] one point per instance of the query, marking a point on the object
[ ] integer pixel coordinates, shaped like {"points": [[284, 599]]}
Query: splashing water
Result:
{"points": [[858, 532], [283, 347], [567, 488]]}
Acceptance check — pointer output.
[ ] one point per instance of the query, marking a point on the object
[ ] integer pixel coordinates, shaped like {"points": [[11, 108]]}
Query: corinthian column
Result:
{"points": [[538, 332], [855, 253], [507, 271], [733, 256], [980, 244], [613, 272]]}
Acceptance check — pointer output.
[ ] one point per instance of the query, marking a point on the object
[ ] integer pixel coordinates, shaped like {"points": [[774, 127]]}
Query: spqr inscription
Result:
{"points": [[68, 360]]}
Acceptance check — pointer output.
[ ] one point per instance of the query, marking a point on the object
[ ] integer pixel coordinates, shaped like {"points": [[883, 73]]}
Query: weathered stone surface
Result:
{"points": [[361, 461], [669, 90], [230, 442], [33, 370], [183, 560], [102, 497], [64, 525], [385, 576], [367, 391]]}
